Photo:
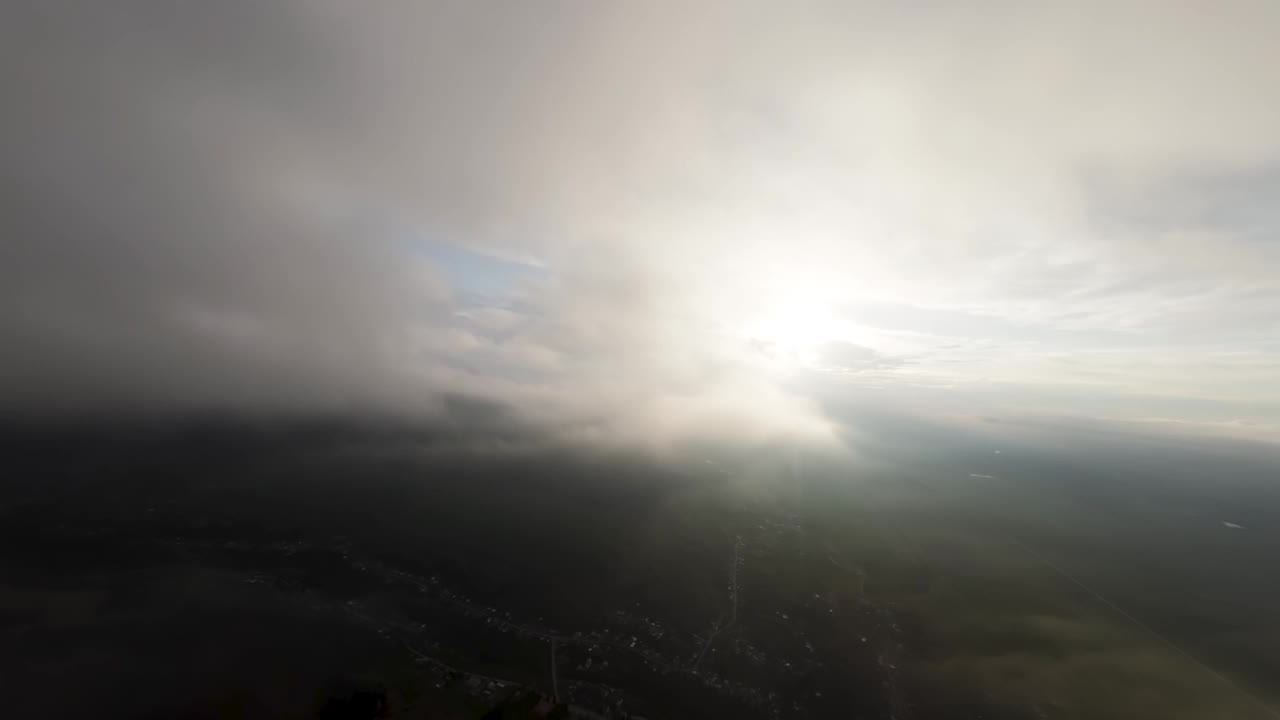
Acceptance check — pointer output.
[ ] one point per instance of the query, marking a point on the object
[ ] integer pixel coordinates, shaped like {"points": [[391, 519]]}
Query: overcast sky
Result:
{"points": [[645, 222]]}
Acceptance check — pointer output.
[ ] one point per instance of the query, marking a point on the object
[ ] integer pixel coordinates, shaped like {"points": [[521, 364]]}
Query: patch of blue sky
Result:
{"points": [[474, 272]]}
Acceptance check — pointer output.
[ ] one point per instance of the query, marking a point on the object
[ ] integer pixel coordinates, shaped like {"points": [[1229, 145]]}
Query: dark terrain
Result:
{"points": [[217, 569]]}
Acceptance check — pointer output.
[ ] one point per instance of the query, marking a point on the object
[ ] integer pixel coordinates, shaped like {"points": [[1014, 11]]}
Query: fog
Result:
{"points": [[644, 225]]}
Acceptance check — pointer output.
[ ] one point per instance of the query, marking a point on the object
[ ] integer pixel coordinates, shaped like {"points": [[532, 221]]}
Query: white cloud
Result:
{"points": [[211, 203]]}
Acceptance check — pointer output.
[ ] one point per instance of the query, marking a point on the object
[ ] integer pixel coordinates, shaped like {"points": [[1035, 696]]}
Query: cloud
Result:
{"points": [[849, 357], [569, 209]]}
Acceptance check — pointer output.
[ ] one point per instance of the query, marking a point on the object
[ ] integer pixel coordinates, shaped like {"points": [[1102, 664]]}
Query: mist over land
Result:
{"points": [[207, 567]]}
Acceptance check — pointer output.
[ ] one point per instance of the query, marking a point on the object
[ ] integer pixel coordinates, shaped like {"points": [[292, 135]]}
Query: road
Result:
{"points": [[555, 686], [733, 604]]}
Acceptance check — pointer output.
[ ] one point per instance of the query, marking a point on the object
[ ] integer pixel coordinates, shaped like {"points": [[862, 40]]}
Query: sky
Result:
{"points": [[645, 223]]}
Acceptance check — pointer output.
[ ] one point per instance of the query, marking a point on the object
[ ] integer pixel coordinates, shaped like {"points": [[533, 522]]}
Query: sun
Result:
{"points": [[794, 329]]}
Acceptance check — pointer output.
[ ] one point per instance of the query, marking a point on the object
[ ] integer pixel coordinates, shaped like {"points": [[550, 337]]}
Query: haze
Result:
{"points": [[913, 360], [648, 223]]}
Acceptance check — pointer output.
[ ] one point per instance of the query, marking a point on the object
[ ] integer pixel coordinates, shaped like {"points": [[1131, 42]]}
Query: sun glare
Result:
{"points": [[795, 329]]}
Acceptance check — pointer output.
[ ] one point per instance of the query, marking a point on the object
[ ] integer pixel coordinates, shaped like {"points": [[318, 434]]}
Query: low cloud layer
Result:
{"points": [[593, 215]]}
